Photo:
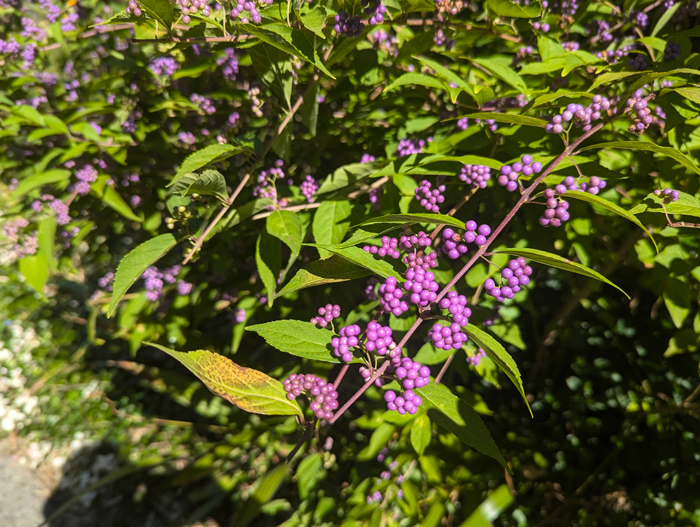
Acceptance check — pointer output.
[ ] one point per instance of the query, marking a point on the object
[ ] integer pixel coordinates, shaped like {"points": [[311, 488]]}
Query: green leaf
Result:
{"points": [[35, 270], [686, 204], [664, 18], [380, 437], [410, 219], [161, 10], [554, 260], [433, 518], [314, 20], [327, 271], [135, 263], [209, 183], [348, 175], [549, 48], [677, 299], [503, 72], [609, 78], [46, 234], [429, 355], [363, 259], [112, 199], [289, 40], [265, 490], [648, 147], [250, 390], [692, 94], [287, 227], [500, 356], [420, 433], [491, 508], [576, 59], [416, 79], [39, 180], [513, 10], [268, 259], [609, 205], [548, 66], [331, 222], [449, 76], [309, 110], [295, 337], [362, 234], [206, 156], [309, 472], [274, 69], [508, 118], [456, 416]]}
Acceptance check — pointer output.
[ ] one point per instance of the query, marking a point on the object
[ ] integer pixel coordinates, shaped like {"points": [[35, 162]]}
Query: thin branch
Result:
{"points": [[340, 376], [199, 240], [444, 368]]}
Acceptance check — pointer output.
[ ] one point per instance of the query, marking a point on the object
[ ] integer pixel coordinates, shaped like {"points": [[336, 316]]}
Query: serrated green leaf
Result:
{"points": [[363, 259], [456, 416], [686, 204], [500, 356], [295, 337], [161, 10], [503, 72], [206, 156], [554, 260], [410, 219], [326, 271], [648, 147], [135, 263], [612, 207], [208, 183], [287, 227], [314, 20], [331, 222], [420, 433], [250, 390]]}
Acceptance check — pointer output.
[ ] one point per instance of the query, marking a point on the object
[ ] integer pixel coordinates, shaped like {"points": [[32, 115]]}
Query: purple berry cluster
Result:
{"points": [[85, 176], [61, 210], [133, 8], [475, 175], [164, 66], [594, 185], [389, 247], [409, 402], [421, 285], [390, 295], [429, 199], [251, 8], [412, 374], [425, 262], [448, 336], [440, 39], [308, 188], [515, 275], [229, 64], [538, 26], [205, 105], [475, 359], [374, 10], [476, 233], [510, 173], [410, 146], [322, 394], [557, 210], [456, 306], [640, 113], [326, 314], [638, 62], [347, 340], [463, 123], [672, 51], [667, 194], [154, 280], [379, 339], [409, 241], [348, 26], [582, 116], [451, 244]]}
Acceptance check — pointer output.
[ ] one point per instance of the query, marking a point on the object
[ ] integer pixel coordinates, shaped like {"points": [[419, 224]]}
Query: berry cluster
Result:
{"points": [[456, 306], [582, 116], [164, 66], [326, 314], [448, 336], [637, 62], [348, 339], [205, 105], [322, 394], [308, 188], [475, 175], [410, 146], [389, 246], [538, 26], [133, 8], [429, 199], [451, 244], [475, 359], [251, 8], [640, 113], [374, 10], [421, 285], [510, 173], [347, 26], [408, 403], [409, 241], [412, 374], [667, 194], [85, 176], [672, 51], [425, 262], [476, 233], [594, 185], [557, 211], [516, 274], [379, 338], [390, 295]]}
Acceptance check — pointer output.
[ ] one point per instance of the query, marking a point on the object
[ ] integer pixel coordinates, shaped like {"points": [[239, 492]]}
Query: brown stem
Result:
{"points": [[444, 368], [340, 376]]}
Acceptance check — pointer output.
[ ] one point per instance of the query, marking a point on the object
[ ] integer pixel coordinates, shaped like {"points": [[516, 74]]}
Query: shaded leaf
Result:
{"points": [[363, 259], [513, 10], [287, 227], [299, 338], [326, 271], [331, 222], [268, 259], [400, 219], [420, 433]]}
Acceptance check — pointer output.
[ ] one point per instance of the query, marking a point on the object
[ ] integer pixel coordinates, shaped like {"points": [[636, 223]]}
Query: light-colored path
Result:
{"points": [[22, 497]]}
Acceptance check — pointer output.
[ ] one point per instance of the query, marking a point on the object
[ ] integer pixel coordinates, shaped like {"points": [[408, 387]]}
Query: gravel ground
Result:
{"points": [[22, 497]]}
